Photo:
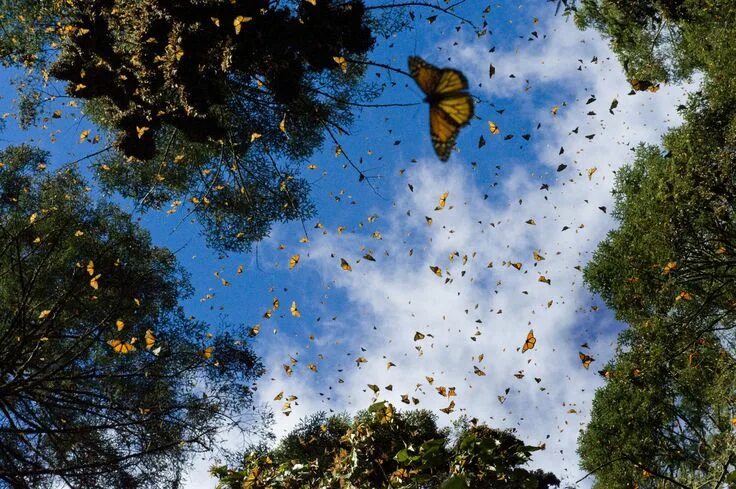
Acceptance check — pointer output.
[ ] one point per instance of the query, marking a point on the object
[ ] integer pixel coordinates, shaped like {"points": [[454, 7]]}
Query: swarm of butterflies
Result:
{"points": [[451, 107]]}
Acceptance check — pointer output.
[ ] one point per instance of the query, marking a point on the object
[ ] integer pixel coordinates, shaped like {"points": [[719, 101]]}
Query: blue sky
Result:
{"points": [[375, 310]]}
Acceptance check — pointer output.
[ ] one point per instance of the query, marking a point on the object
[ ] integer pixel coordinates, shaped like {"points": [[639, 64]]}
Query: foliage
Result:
{"points": [[203, 97], [667, 40], [666, 414], [678, 227], [210, 69], [80, 284], [236, 199], [381, 447]]}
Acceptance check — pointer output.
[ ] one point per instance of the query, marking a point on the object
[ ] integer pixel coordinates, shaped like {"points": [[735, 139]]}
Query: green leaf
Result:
{"points": [[403, 456], [529, 448], [431, 447], [454, 482]]}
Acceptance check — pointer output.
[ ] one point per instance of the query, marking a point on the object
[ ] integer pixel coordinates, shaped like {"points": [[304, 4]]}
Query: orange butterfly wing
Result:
{"points": [[450, 81], [530, 342], [459, 106], [119, 346], [426, 75], [445, 120], [443, 131], [450, 108], [586, 359]]}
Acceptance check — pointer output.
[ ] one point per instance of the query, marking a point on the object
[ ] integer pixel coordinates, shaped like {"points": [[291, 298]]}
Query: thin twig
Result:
{"points": [[91, 155], [445, 10], [160, 167], [358, 104], [286, 188], [362, 176], [725, 471], [606, 464], [379, 65]]}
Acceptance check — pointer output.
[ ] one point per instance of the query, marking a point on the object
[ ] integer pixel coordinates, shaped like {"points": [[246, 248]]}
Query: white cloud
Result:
{"points": [[399, 295]]}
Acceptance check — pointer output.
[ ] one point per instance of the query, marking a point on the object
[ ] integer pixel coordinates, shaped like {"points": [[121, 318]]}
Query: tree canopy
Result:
{"points": [[382, 447], [668, 40], [667, 271], [103, 380], [665, 415], [217, 102]]}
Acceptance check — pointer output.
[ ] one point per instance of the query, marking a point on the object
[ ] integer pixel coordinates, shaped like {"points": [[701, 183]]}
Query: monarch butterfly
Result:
{"points": [[443, 201], [530, 341], [120, 346], [586, 359], [450, 105], [643, 85], [150, 339]]}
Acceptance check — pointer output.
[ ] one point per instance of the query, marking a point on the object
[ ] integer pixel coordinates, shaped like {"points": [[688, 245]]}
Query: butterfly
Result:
{"points": [[643, 85], [121, 346], [586, 359], [207, 352], [150, 339], [443, 201], [530, 341], [450, 105]]}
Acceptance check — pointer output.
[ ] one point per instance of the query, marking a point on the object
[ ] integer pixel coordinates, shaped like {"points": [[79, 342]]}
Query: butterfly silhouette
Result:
{"points": [[450, 105]]}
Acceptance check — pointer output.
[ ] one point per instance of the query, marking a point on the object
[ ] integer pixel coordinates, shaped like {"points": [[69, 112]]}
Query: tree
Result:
{"points": [[103, 380], [668, 40], [381, 447], [211, 69], [673, 252], [217, 102], [665, 415]]}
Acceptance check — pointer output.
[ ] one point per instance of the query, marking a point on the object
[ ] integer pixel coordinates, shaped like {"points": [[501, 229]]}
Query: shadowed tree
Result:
{"points": [[382, 448], [103, 380], [214, 102], [673, 252], [668, 40], [213, 69]]}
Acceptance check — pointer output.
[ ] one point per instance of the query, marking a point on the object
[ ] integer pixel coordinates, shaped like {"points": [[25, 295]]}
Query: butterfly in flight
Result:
{"points": [[530, 342], [586, 359], [450, 105]]}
